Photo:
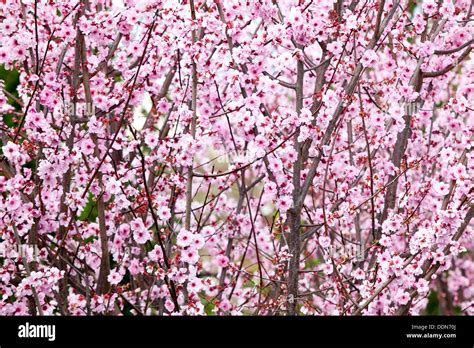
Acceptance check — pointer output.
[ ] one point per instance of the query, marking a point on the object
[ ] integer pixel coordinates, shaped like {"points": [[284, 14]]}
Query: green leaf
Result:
{"points": [[310, 263], [249, 284], [11, 79], [90, 212], [127, 309], [433, 304], [89, 240], [208, 307]]}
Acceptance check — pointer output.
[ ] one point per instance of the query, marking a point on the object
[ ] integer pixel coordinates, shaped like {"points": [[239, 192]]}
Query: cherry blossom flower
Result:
{"points": [[87, 147], [140, 233], [190, 256], [324, 241], [402, 297], [114, 277], [369, 58], [10, 151], [184, 238], [440, 188], [222, 261]]}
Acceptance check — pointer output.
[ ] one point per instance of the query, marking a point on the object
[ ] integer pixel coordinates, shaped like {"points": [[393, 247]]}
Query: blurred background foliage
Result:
{"points": [[11, 80]]}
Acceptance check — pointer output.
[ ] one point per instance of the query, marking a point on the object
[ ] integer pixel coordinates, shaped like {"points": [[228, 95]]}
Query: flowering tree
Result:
{"points": [[236, 157]]}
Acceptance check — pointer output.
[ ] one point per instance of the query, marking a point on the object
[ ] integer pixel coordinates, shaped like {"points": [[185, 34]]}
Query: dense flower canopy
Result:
{"points": [[236, 157]]}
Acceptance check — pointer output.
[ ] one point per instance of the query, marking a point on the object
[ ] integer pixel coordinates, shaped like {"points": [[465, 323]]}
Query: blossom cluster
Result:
{"points": [[236, 157]]}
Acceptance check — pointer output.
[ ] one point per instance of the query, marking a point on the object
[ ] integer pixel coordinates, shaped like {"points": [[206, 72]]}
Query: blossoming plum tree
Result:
{"points": [[236, 157]]}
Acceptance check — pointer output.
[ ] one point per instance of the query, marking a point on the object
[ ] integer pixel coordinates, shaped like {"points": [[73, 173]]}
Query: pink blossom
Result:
{"points": [[324, 241], [114, 277], [402, 297], [369, 58], [190, 256], [440, 188], [430, 7], [10, 151], [185, 238], [87, 147], [140, 233]]}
